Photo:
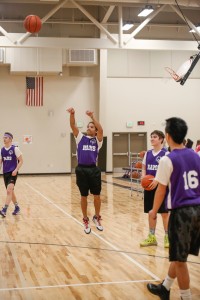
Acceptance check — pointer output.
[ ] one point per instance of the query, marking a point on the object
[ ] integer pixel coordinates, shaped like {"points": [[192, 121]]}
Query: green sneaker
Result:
{"points": [[150, 241], [166, 241]]}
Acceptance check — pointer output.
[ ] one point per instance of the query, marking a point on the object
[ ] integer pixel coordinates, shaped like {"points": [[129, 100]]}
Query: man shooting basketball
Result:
{"points": [[88, 175]]}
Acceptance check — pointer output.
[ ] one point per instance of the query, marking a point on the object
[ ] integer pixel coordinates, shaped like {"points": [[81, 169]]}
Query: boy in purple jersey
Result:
{"points": [[88, 175], [11, 158], [178, 179], [149, 167]]}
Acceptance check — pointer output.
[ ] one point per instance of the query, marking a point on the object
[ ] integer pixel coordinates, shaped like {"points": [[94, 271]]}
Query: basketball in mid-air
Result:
{"points": [[146, 181], [32, 24]]}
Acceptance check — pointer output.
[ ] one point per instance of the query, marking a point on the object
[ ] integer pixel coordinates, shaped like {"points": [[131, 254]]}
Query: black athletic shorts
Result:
{"points": [[88, 178], [148, 202], [8, 178], [184, 233]]}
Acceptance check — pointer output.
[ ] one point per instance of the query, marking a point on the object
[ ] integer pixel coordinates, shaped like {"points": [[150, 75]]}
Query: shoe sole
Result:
{"points": [[149, 245], [87, 232], [99, 229], [2, 215], [96, 226]]}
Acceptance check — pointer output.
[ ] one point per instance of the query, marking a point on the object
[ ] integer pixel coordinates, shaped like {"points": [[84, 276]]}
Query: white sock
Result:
{"points": [[186, 294], [168, 282]]}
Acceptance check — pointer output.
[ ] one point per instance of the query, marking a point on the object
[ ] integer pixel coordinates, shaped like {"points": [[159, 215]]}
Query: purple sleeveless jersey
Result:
{"points": [[153, 161], [87, 151], [184, 186], [9, 159]]}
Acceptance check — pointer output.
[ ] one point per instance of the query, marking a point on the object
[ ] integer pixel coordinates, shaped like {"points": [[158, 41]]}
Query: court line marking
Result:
{"points": [[98, 236], [71, 285]]}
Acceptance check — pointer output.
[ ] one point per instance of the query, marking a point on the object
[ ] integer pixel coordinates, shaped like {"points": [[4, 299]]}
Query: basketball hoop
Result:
{"points": [[178, 76]]}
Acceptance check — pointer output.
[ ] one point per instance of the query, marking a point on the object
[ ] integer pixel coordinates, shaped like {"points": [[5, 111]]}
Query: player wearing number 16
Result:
{"points": [[178, 174]]}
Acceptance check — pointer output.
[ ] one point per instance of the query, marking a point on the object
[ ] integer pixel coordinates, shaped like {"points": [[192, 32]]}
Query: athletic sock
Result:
{"points": [[186, 294], [152, 231], [5, 207], [16, 204], [168, 282]]}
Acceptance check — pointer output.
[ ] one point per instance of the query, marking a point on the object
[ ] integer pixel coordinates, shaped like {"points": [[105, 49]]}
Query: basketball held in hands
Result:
{"points": [[146, 181]]}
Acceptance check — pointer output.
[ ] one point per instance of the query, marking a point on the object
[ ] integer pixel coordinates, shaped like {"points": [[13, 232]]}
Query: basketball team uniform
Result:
{"points": [[88, 175], [9, 158], [151, 161], [180, 171]]}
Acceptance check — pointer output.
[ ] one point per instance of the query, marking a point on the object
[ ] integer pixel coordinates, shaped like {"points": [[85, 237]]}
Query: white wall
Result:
{"points": [[49, 125], [139, 88], [151, 100], [131, 85]]}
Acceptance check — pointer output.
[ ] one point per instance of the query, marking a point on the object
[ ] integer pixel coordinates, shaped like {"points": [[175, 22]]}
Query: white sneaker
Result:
{"points": [[87, 228], [97, 222]]}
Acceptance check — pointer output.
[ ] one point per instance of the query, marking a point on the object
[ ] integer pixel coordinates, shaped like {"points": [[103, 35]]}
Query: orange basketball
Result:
{"points": [[135, 175], [141, 154], [138, 165], [146, 181], [32, 24]]}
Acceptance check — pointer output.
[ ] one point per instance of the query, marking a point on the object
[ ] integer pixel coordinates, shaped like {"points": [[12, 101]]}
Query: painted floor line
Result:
{"points": [[97, 235], [72, 285]]}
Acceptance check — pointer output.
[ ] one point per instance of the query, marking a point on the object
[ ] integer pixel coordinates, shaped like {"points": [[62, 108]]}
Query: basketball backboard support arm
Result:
{"points": [[193, 64]]}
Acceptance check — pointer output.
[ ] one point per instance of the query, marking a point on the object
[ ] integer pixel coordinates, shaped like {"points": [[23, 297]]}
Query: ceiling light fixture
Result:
{"points": [[197, 27], [146, 11], [127, 26]]}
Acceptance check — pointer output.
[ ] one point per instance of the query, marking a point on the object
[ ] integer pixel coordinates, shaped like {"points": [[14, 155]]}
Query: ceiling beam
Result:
{"points": [[185, 18], [144, 23], [92, 19], [99, 43], [52, 12]]}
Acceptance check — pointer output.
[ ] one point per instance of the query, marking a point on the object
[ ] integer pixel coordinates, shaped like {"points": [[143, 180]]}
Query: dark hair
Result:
{"points": [[9, 134], [198, 142], [159, 133], [177, 128], [189, 143]]}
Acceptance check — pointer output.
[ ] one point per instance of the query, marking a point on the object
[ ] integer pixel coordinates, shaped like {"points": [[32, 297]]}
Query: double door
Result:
{"points": [[123, 145]]}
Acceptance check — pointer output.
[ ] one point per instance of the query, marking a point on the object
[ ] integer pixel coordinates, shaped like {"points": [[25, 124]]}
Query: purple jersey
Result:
{"points": [[184, 186], [152, 161], [9, 159], [87, 151]]}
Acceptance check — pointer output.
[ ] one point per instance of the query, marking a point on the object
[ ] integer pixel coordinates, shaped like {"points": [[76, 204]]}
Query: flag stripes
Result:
{"points": [[34, 91]]}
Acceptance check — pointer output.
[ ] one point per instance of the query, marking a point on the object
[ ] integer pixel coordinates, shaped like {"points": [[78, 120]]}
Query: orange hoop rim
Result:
{"points": [[173, 74]]}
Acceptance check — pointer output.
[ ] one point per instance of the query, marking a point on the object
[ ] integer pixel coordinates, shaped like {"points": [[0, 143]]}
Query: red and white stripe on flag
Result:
{"points": [[34, 91]]}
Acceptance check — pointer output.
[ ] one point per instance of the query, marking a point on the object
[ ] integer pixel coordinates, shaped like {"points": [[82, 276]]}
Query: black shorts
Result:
{"points": [[148, 202], [184, 233], [88, 179], [8, 178]]}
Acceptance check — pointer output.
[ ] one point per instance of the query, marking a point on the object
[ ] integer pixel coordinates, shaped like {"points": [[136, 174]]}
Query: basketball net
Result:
{"points": [[177, 76]]}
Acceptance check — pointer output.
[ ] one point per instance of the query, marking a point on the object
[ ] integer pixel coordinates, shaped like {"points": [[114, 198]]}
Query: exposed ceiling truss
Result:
{"points": [[97, 22]]}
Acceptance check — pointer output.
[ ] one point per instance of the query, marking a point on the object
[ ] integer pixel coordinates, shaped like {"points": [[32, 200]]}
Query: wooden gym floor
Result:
{"points": [[46, 255]]}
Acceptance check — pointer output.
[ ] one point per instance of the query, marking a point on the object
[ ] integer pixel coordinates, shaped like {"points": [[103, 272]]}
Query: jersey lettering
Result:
{"points": [[89, 148]]}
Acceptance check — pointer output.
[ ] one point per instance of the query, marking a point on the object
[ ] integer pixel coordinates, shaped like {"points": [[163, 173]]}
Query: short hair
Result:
{"points": [[8, 134], [159, 133], [198, 142], [177, 128], [189, 143]]}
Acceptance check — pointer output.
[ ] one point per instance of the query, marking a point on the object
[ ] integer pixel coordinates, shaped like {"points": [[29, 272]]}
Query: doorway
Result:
{"points": [[123, 145]]}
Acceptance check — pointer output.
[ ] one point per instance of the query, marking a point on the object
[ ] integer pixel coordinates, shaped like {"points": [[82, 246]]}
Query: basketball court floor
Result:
{"points": [[46, 255]]}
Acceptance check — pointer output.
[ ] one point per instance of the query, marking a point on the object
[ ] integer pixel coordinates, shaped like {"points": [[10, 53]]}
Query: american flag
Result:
{"points": [[34, 91]]}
